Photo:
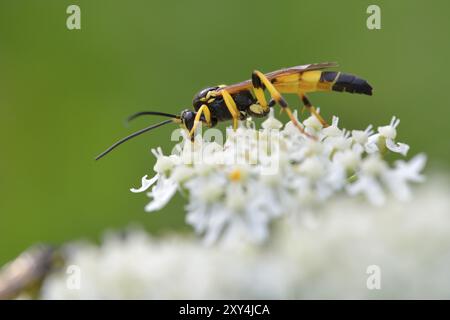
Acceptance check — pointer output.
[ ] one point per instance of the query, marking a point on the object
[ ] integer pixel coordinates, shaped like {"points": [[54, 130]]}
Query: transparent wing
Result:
{"points": [[245, 85]]}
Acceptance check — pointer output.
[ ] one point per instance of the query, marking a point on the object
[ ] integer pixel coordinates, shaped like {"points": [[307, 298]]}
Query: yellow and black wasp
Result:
{"points": [[247, 99]]}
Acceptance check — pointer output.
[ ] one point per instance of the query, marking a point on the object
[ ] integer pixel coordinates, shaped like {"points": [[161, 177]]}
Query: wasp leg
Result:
{"points": [[231, 105], [260, 81], [258, 90], [307, 104], [203, 110]]}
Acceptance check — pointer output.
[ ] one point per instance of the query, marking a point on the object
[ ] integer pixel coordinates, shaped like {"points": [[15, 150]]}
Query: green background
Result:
{"points": [[64, 94]]}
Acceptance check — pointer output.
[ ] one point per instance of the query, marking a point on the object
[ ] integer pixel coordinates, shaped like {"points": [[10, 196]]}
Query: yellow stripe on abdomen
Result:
{"points": [[287, 84], [308, 81], [293, 83], [311, 81]]}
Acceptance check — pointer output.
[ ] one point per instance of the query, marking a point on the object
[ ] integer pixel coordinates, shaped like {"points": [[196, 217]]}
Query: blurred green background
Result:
{"points": [[64, 94]]}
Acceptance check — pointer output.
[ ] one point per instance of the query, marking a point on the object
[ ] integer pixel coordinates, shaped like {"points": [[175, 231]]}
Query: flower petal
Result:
{"points": [[146, 183], [401, 148], [161, 194], [370, 187]]}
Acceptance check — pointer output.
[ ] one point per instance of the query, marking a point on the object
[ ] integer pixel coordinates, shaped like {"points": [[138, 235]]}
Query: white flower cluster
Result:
{"points": [[333, 257], [237, 188]]}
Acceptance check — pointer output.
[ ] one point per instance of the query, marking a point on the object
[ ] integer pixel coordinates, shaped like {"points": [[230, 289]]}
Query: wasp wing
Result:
{"points": [[246, 85], [300, 69]]}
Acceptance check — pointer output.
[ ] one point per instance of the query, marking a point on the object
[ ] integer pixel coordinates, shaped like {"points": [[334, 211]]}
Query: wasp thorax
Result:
{"points": [[205, 96]]}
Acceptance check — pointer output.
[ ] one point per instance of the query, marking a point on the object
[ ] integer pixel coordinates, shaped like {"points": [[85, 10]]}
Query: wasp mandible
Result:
{"points": [[247, 99]]}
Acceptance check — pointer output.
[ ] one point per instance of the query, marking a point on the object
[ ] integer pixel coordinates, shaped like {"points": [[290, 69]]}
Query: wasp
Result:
{"points": [[248, 99]]}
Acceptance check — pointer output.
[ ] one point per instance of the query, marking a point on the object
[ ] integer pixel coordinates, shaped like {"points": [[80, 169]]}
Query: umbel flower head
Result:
{"points": [[235, 189], [330, 257]]}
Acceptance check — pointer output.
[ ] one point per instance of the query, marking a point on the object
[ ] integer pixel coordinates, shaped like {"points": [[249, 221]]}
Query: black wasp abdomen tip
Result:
{"points": [[352, 84]]}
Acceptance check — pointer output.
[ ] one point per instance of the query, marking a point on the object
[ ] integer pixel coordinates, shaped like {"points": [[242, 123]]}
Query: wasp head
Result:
{"points": [[187, 118]]}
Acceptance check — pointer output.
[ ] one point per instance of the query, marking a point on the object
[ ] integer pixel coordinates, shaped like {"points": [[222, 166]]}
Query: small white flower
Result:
{"points": [[333, 130], [412, 170], [386, 138], [348, 159], [397, 179], [338, 143], [290, 128], [312, 124], [373, 165], [271, 122], [367, 182], [362, 137], [370, 187], [163, 163]]}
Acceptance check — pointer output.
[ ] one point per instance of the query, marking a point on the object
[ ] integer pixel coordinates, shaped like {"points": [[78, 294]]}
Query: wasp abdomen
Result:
{"points": [[346, 82]]}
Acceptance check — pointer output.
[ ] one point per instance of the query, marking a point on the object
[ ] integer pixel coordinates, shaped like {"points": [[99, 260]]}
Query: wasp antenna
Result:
{"points": [[153, 113], [118, 143]]}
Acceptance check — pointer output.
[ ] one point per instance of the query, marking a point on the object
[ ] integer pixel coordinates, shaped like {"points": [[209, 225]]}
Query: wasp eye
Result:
{"points": [[188, 115]]}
